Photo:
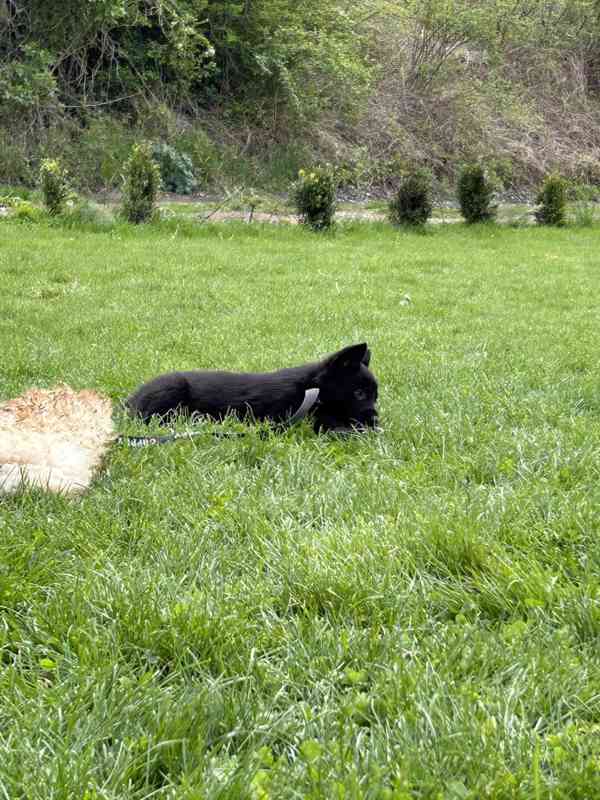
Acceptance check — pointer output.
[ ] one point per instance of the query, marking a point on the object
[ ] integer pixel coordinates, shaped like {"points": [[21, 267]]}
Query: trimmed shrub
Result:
{"points": [[54, 185], [141, 182], [552, 200], [176, 169], [314, 196], [475, 194], [412, 204]]}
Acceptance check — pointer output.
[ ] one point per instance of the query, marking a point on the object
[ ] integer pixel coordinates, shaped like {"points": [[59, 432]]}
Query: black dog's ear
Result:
{"points": [[349, 358]]}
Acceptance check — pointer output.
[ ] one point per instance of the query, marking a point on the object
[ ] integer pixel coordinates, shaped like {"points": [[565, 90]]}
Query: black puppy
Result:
{"points": [[347, 392]]}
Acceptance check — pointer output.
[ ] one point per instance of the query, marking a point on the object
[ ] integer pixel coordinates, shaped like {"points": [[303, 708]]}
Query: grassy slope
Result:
{"points": [[410, 615]]}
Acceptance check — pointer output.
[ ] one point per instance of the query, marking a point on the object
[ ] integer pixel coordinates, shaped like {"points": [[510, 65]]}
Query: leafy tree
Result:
{"points": [[301, 55]]}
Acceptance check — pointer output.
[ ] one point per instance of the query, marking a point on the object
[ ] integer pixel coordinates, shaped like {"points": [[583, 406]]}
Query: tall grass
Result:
{"points": [[413, 614]]}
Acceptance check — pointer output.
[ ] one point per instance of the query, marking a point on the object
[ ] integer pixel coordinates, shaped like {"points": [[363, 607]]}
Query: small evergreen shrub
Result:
{"points": [[141, 182], [412, 204], [552, 201], [176, 169], [314, 197], [54, 185], [475, 194]]}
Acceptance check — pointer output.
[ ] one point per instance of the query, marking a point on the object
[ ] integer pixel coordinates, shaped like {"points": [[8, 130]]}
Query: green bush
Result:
{"points": [[314, 197], [206, 157], [29, 91], [412, 204], [10, 192], [25, 211], [552, 201], [141, 182], [54, 185], [15, 166], [176, 169], [475, 192]]}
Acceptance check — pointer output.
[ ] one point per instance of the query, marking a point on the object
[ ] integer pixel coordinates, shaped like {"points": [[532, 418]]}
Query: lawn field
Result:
{"points": [[408, 614]]}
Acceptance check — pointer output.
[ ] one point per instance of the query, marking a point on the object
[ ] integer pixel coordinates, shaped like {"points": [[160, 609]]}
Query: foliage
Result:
{"points": [[54, 185], [442, 31], [208, 159], [86, 215], [16, 167], [552, 201], [96, 153], [28, 89], [312, 62], [111, 47], [9, 193], [26, 211], [475, 192], [314, 196], [274, 84], [141, 182], [412, 203], [183, 51], [176, 169], [8, 200]]}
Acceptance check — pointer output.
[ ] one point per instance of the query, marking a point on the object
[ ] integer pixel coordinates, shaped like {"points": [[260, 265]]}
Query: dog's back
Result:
{"points": [[263, 395]]}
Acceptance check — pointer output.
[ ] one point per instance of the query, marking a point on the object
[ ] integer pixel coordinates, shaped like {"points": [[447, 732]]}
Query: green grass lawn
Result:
{"points": [[414, 614]]}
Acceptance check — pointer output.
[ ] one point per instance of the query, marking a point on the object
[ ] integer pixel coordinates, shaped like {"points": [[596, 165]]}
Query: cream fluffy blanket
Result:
{"points": [[53, 438]]}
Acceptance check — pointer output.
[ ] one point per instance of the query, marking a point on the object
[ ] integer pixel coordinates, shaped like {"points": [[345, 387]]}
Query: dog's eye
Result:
{"points": [[360, 394]]}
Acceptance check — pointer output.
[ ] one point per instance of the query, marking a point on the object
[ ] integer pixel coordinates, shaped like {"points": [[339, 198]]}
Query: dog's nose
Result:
{"points": [[368, 419]]}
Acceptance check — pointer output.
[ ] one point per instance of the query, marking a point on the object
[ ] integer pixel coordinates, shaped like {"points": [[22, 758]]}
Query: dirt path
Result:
{"points": [[262, 216], [360, 215]]}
